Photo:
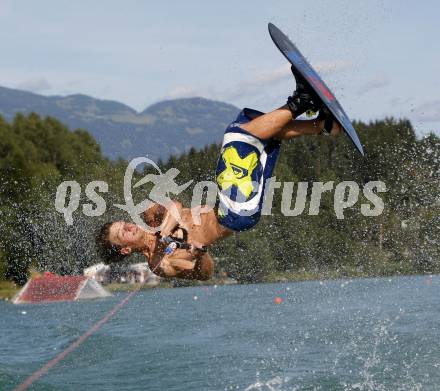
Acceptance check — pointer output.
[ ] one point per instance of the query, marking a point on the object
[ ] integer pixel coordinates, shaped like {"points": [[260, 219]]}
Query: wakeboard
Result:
{"points": [[312, 78]]}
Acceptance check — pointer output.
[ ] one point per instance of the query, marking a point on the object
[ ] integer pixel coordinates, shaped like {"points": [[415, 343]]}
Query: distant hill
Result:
{"points": [[165, 128]]}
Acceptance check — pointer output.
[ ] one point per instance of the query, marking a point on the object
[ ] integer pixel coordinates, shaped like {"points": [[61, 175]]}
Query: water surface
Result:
{"points": [[363, 334]]}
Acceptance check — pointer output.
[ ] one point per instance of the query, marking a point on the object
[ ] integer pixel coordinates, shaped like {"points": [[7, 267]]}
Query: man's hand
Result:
{"points": [[334, 131], [327, 123], [170, 223], [197, 248]]}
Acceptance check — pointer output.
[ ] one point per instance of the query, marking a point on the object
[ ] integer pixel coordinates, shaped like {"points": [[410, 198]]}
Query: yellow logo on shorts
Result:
{"points": [[238, 171]]}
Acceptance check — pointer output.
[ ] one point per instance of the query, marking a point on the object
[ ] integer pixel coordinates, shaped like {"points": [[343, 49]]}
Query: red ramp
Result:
{"points": [[52, 287]]}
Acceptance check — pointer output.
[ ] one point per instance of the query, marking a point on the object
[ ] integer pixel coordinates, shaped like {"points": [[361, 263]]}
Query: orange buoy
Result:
{"points": [[278, 300]]}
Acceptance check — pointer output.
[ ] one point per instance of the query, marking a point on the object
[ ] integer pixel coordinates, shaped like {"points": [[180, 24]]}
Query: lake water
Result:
{"points": [[362, 334]]}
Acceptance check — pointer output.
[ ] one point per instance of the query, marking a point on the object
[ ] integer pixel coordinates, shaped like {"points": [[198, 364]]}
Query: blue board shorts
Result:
{"points": [[244, 165]]}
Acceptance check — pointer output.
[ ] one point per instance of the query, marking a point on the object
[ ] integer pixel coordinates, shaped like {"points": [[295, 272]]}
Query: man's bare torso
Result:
{"points": [[197, 231]]}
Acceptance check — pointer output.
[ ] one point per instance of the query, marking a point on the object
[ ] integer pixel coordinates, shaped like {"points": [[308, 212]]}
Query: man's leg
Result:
{"points": [[247, 158], [269, 125], [279, 124]]}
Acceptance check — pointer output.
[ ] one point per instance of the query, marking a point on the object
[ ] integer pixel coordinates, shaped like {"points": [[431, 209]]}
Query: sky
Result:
{"points": [[380, 57]]}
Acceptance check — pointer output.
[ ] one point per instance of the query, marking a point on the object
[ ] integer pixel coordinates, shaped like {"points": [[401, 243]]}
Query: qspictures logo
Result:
{"points": [[204, 195]]}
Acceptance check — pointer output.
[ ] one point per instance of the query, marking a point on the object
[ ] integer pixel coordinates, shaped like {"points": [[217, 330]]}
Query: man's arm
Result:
{"points": [[201, 268], [159, 215], [154, 215], [171, 220], [203, 227]]}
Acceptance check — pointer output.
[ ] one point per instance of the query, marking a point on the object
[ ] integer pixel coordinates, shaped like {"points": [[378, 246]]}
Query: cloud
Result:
{"points": [[182, 92], [257, 85], [331, 67], [378, 81], [264, 80], [428, 112], [400, 101], [267, 77], [37, 85]]}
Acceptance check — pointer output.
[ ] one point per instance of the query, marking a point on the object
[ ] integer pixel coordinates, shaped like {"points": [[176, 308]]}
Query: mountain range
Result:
{"points": [[165, 128]]}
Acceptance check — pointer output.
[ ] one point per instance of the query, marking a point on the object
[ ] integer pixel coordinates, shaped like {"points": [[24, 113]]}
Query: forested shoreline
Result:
{"points": [[37, 154]]}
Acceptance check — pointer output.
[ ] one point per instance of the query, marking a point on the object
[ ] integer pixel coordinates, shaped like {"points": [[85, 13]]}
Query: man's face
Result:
{"points": [[125, 234]]}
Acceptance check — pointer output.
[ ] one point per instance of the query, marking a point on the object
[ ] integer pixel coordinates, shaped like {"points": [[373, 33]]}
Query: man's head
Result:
{"points": [[118, 239]]}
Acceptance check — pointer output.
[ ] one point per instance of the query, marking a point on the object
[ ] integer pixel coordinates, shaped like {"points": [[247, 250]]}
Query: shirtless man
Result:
{"points": [[249, 152], [119, 239]]}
